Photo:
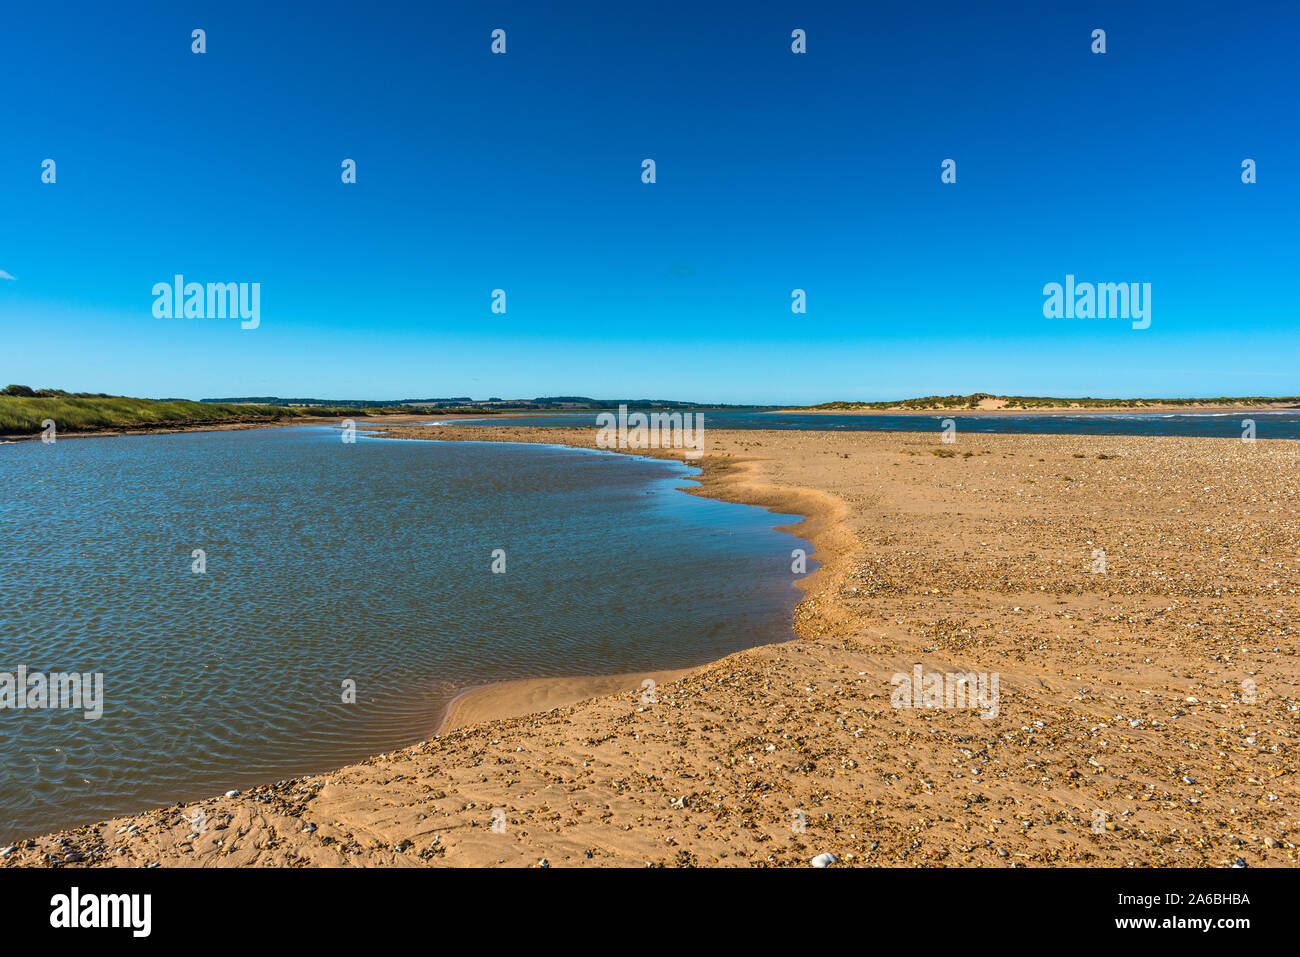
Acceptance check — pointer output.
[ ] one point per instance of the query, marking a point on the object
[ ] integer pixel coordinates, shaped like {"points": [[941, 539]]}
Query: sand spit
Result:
{"points": [[1147, 714]]}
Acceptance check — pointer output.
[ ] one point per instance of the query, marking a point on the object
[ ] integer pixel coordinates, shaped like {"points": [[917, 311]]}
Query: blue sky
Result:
{"points": [[775, 171]]}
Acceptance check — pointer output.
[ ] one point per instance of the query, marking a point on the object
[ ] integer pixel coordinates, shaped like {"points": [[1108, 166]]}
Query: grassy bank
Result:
{"points": [[23, 415]]}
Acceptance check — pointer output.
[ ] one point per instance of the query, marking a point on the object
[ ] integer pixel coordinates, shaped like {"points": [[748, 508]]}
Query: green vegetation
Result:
{"points": [[22, 414], [1013, 402], [313, 403], [553, 403], [29, 392]]}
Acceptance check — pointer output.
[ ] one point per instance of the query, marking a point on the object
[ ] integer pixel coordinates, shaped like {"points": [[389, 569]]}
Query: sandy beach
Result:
{"points": [[1147, 711]]}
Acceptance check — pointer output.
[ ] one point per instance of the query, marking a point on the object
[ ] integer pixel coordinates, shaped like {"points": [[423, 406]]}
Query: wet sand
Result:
{"points": [[1147, 712], [510, 699]]}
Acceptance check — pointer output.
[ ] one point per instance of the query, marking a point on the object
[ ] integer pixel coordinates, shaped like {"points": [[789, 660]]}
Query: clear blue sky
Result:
{"points": [[775, 171]]}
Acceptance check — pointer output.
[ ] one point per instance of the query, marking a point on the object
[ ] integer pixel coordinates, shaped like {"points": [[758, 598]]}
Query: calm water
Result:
{"points": [[325, 562], [1268, 425]]}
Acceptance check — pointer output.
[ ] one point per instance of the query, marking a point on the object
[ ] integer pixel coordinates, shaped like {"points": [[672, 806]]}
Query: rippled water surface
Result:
{"points": [[1268, 424], [328, 562]]}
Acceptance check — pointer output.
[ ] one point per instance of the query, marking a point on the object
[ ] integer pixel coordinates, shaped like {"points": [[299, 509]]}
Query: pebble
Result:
{"points": [[824, 860]]}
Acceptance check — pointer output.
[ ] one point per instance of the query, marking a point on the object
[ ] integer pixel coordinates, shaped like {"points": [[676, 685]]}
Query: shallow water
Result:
{"points": [[327, 562], [1268, 425]]}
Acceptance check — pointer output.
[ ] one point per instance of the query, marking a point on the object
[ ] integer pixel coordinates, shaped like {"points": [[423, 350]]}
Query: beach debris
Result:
{"points": [[232, 794]]}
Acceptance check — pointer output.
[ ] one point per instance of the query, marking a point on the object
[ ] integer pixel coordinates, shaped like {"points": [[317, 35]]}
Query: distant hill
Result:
{"points": [[543, 403], [22, 414], [988, 402], [316, 403]]}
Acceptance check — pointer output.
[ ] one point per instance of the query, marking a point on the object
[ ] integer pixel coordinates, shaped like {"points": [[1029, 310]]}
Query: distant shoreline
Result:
{"points": [[1069, 410], [227, 426], [450, 417]]}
